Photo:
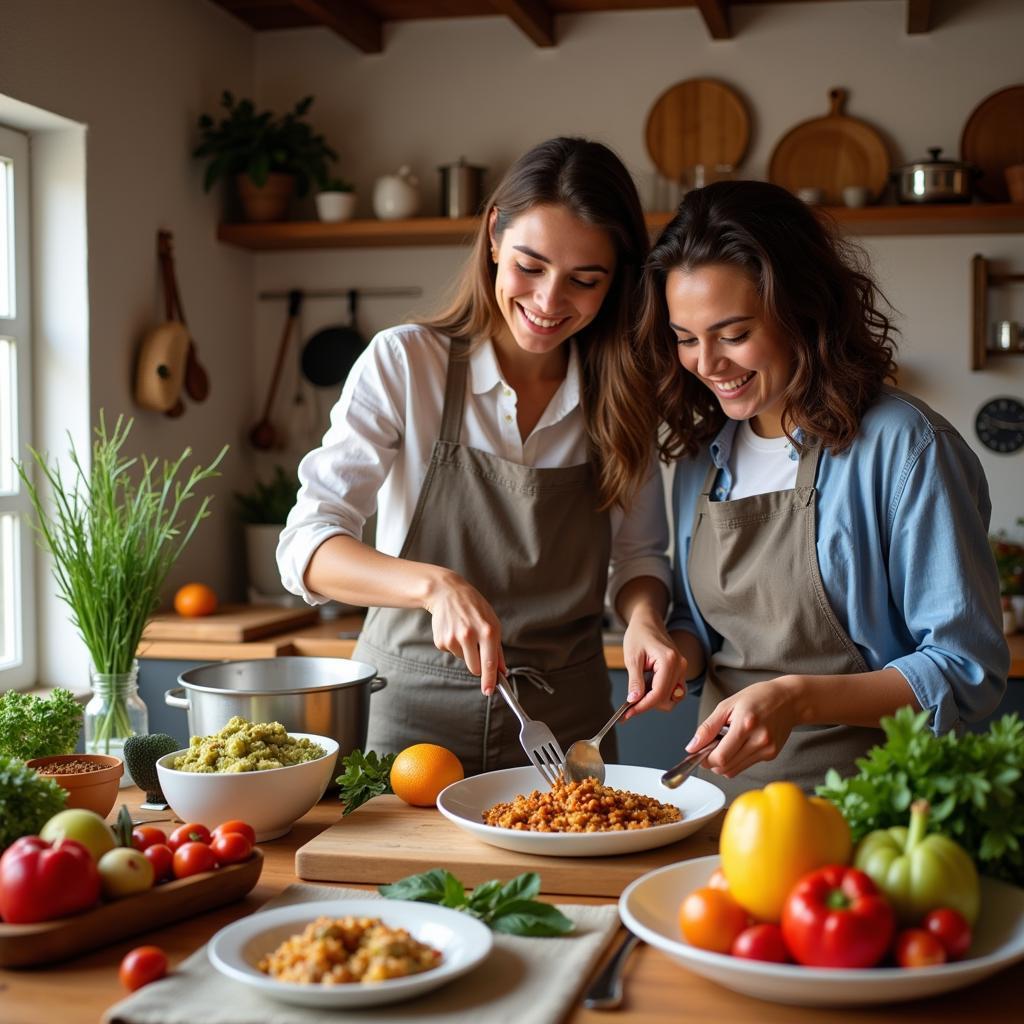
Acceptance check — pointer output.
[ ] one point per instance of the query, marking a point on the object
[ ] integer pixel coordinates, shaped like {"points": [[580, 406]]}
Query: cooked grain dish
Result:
{"points": [[586, 806], [339, 951], [242, 746]]}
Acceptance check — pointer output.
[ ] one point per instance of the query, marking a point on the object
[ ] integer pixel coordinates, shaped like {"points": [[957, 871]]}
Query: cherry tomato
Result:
{"points": [[761, 942], [161, 856], [917, 948], [190, 833], [193, 858], [711, 919], [144, 836], [142, 965], [231, 847], [236, 826], [950, 927], [718, 880]]}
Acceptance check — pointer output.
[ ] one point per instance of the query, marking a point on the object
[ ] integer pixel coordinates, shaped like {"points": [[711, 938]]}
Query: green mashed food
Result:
{"points": [[242, 746]]}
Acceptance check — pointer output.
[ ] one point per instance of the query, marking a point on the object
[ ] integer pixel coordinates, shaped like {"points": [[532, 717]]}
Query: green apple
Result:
{"points": [[124, 871], [86, 827]]}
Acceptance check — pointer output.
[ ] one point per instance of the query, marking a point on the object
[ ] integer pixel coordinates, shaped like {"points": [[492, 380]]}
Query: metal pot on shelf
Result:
{"points": [[462, 189], [935, 180]]}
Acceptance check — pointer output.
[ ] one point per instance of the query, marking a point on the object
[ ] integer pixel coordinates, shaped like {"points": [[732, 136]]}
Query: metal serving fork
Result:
{"points": [[537, 739]]}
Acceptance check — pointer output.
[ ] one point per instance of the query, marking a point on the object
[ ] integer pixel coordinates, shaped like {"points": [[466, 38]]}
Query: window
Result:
{"points": [[17, 544]]}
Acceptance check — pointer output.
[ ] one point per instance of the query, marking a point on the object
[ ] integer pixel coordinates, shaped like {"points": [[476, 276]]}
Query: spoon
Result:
{"points": [[678, 774], [584, 757]]}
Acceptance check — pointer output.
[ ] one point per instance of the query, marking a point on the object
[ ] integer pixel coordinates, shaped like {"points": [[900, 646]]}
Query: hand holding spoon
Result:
{"points": [[583, 759]]}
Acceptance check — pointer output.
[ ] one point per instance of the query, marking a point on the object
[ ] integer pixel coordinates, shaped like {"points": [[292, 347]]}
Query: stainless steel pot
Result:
{"points": [[935, 181], [326, 696], [462, 189]]}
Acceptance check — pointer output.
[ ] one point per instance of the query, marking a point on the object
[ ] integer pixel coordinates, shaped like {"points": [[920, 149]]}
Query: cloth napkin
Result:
{"points": [[523, 980]]}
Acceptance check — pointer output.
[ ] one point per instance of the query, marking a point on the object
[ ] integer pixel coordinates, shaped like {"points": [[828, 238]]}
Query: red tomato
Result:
{"points": [[917, 948], [711, 919], [40, 881], [144, 836], [190, 833], [950, 927], [142, 965], [761, 942], [193, 858], [231, 847], [236, 826], [161, 856]]}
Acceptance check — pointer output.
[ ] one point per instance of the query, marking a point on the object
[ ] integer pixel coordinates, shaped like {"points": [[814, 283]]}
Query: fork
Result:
{"points": [[537, 738]]}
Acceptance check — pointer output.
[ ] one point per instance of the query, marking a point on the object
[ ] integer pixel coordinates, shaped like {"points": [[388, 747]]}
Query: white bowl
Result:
{"points": [[650, 908], [464, 803], [463, 941], [271, 801]]}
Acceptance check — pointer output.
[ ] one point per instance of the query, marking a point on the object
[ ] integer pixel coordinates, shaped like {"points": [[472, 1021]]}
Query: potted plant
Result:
{"points": [[267, 156], [263, 511], [336, 200], [1010, 565], [114, 531]]}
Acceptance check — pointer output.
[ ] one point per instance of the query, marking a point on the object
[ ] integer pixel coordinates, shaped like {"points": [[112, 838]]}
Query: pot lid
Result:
{"points": [[282, 675], [936, 161]]}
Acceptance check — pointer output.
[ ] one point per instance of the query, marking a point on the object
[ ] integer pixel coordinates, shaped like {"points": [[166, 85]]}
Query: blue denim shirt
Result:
{"points": [[902, 542]]}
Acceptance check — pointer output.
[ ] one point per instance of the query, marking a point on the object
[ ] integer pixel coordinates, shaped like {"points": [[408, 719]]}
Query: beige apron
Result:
{"points": [[533, 543], [753, 570]]}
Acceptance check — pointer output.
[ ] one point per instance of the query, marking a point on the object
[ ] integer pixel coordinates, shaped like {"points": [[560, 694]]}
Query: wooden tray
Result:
{"points": [[830, 153], [993, 139], [385, 840], [232, 623], [699, 121], [23, 945]]}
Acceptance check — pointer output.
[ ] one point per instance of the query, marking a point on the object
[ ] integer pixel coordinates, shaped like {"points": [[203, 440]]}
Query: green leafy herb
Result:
{"points": [[365, 776], [508, 907], [27, 801], [38, 726], [974, 784]]}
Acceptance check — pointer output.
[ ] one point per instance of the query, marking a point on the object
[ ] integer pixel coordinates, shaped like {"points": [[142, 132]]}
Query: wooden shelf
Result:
{"points": [[982, 279], [979, 218]]}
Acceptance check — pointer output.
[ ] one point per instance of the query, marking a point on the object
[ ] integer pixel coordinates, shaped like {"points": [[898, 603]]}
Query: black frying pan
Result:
{"points": [[329, 355]]}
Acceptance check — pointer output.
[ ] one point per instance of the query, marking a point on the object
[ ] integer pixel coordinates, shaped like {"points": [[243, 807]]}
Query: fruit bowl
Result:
{"points": [[90, 790]]}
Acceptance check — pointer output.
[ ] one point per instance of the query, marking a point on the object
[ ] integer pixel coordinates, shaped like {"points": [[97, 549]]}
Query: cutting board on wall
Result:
{"points": [[231, 623], [385, 840]]}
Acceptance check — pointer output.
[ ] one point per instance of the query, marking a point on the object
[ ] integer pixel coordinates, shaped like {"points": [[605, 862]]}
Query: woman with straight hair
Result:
{"points": [[505, 447], [832, 562]]}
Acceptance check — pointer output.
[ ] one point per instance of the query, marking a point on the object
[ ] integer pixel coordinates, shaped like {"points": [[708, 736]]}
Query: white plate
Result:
{"points": [[463, 941], [464, 803], [649, 907]]}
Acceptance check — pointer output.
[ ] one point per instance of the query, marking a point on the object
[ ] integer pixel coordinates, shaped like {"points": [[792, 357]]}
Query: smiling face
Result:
{"points": [[553, 273], [725, 340]]}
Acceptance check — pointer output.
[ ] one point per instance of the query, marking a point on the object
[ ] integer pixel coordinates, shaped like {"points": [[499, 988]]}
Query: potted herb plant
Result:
{"points": [[1009, 558], [336, 200], [268, 157], [114, 531], [263, 511]]}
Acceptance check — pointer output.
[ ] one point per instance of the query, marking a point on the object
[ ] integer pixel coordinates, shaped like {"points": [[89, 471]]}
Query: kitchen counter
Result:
{"points": [[657, 990]]}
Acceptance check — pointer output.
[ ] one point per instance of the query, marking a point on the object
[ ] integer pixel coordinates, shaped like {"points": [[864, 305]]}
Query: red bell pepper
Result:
{"points": [[40, 881], [836, 917]]}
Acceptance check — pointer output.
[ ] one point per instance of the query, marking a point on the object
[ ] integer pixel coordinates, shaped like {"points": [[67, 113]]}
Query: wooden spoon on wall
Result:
{"points": [[263, 436]]}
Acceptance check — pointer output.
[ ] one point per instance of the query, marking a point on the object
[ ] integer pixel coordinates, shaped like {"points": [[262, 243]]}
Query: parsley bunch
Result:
{"points": [[974, 784], [33, 726], [508, 907], [27, 800], [365, 776]]}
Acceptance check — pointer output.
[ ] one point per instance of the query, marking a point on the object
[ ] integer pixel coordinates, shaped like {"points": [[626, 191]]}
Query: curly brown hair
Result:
{"points": [[812, 284], [590, 181]]}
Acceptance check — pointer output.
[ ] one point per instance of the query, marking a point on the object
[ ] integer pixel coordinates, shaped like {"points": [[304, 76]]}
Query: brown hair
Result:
{"points": [[811, 283], [590, 181]]}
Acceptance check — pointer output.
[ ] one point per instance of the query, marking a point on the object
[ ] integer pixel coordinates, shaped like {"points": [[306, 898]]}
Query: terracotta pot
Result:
{"points": [[93, 791], [267, 202]]}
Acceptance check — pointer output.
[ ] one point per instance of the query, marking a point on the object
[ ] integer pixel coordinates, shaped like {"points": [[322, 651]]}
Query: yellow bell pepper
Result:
{"points": [[774, 836]]}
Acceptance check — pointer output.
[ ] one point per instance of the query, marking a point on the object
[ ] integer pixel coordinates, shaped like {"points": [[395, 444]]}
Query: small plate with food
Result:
{"points": [[346, 953], [631, 811]]}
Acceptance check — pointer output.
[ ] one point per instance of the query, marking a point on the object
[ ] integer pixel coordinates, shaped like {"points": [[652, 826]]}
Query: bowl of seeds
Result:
{"points": [[92, 780]]}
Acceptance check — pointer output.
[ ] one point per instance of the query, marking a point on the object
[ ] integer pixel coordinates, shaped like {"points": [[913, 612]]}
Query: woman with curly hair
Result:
{"points": [[514, 475], [832, 562]]}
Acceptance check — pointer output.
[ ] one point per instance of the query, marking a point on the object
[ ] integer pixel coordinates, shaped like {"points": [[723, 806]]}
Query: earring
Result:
{"points": [[494, 255]]}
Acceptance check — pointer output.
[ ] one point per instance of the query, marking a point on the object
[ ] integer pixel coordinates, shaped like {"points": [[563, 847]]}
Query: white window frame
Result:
{"points": [[20, 671]]}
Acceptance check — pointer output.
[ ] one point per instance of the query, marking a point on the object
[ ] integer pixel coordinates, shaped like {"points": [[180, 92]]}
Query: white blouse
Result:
{"points": [[376, 452]]}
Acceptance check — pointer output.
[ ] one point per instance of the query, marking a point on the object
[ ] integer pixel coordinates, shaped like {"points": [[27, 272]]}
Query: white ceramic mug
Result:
{"points": [[855, 195]]}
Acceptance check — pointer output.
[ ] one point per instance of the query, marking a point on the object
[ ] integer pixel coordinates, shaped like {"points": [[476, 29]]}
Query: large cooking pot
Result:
{"points": [[326, 696], [935, 180]]}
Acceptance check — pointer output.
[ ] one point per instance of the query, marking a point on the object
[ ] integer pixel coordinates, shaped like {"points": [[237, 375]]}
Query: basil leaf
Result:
{"points": [[485, 896], [529, 917], [430, 887]]}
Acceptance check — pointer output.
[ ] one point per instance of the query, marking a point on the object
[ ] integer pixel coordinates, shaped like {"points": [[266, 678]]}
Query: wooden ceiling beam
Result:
{"points": [[716, 16], [534, 17], [350, 20], [919, 17]]}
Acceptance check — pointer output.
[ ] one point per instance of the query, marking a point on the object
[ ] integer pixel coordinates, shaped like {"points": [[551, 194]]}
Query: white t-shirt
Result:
{"points": [[760, 465], [376, 451]]}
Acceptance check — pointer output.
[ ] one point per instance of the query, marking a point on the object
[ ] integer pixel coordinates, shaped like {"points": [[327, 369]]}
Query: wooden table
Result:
{"points": [[657, 990]]}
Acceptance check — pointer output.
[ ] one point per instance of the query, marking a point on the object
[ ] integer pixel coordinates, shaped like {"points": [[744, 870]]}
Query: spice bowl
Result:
{"points": [[92, 780]]}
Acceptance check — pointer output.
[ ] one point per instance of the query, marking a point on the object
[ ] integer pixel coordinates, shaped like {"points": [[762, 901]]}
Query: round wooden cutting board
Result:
{"points": [[699, 121], [993, 140], [830, 153]]}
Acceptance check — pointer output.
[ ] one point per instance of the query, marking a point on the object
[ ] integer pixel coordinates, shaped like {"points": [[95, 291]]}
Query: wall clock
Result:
{"points": [[1000, 425]]}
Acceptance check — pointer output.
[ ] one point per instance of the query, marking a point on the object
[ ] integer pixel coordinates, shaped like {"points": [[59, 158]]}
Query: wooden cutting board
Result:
{"points": [[993, 139], [385, 840], [231, 623]]}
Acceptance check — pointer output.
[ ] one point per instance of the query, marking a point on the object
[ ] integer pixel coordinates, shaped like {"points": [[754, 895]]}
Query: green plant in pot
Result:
{"points": [[268, 157], [336, 200], [263, 511], [114, 530]]}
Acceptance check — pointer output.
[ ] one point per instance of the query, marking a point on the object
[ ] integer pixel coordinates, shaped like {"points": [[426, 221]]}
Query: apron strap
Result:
{"points": [[709, 480], [455, 391], [808, 467]]}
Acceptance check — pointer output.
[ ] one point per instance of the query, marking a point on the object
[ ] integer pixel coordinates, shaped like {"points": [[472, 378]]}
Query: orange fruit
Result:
{"points": [[421, 771], [195, 599], [711, 919]]}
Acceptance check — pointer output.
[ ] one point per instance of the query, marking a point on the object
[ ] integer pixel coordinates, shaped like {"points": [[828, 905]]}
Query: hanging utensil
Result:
{"points": [[263, 435], [197, 383], [331, 353]]}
